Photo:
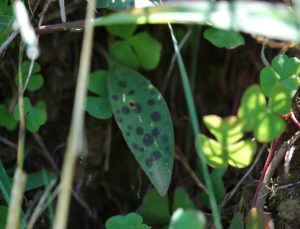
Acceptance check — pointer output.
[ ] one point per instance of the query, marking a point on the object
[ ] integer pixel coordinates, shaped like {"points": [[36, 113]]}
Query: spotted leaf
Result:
{"points": [[143, 117]]}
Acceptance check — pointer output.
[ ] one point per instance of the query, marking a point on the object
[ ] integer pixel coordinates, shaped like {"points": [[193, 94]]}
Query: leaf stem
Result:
{"points": [[196, 130]]}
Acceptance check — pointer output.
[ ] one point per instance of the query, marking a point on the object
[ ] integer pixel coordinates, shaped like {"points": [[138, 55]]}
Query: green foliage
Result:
{"points": [[143, 117], [6, 118], [37, 180], [155, 208], [98, 106], [283, 71], [3, 216], [237, 222], [254, 113], [191, 219], [182, 200], [134, 50], [129, 221], [224, 38], [228, 149], [6, 20], [5, 184], [216, 177], [35, 116], [36, 80]]}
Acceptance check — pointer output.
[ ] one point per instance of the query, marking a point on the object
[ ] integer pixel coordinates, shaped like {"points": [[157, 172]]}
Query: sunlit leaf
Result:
{"points": [[227, 131], [280, 101], [253, 105], [143, 117], [269, 126]]}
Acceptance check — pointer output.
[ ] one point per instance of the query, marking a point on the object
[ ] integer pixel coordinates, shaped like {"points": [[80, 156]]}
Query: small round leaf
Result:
{"points": [[280, 101], [268, 78], [224, 38], [191, 219], [98, 107]]}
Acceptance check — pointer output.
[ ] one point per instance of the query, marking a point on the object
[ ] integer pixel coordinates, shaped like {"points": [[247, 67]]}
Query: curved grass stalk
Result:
{"points": [[196, 130], [74, 146]]}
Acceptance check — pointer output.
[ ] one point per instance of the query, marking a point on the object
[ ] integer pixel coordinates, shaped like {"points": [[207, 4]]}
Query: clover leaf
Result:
{"points": [[238, 155], [283, 70], [98, 106], [134, 50], [191, 219], [264, 121], [155, 208], [224, 38], [35, 116], [6, 118], [129, 221], [182, 199], [36, 80], [226, 131]]}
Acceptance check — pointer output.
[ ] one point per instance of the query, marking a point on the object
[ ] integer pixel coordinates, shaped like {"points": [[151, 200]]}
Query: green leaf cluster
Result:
{"points": [[191, 219], [6, 118], [35, 116], [284, 71], [262, 120], [6, 20], [224, 38], [155, 209], [98, 106], [36, 80], [228, 148], [129, 221], [134, 50]]}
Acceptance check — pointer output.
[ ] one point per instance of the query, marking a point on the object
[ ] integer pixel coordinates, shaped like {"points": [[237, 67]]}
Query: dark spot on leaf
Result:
{"points": [[125, 110], [142, 149], [135, 146], [156, 155], [155, 132], [132, 104], [118, 111], [122, 84], [115, 97], [131, 92], [127, 134], [129, 127], [149, 162], [165, 139], [139, 130], [137, 108], [155, 116], [119, 120], [148, 140], [151, 102]]}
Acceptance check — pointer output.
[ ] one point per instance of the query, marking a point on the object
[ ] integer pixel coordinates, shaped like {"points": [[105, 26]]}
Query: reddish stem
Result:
{"points": [[293, 118], [267, 163]]}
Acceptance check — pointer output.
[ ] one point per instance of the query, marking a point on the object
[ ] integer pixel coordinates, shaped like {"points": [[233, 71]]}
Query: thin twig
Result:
{"points": [[237, 186], [75, 144], [280, 153], [179, 157]]}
